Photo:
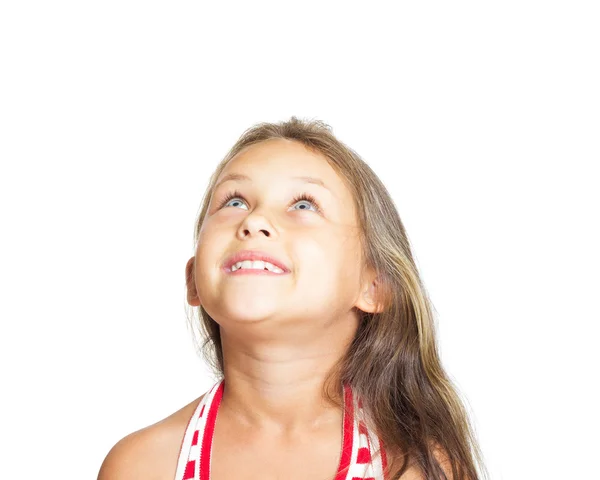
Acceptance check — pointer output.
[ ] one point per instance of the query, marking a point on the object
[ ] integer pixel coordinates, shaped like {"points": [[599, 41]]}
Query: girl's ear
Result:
{"points": [[192, 294], [371, 292]]}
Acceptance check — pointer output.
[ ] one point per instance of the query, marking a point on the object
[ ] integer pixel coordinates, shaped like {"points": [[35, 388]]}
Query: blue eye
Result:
{"points": [[302, 197], [305, 197], [230, 196]]}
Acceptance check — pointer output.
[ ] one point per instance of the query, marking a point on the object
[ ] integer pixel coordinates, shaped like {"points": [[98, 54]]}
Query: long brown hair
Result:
{"points": [[393, 362]]}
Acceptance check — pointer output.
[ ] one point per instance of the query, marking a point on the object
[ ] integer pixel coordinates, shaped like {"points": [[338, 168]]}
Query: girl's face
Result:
{"points": [[318, 243]]}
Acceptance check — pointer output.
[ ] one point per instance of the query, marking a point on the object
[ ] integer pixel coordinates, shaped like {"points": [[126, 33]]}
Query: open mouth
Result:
{"points": [[254, 266]]}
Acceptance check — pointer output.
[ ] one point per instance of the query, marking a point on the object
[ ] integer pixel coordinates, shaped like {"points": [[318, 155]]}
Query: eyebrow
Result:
{"points": [[242, 177]]}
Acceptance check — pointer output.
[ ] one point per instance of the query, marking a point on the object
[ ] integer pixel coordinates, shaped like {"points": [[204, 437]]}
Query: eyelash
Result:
{"points": [[303, 196]]}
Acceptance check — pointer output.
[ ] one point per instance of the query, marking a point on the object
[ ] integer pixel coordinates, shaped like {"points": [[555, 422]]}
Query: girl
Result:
{"points": [[317, 325]]}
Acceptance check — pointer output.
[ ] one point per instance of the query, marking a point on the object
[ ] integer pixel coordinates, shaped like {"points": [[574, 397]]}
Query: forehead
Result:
{"points": [[282, 160], [280, 156]]}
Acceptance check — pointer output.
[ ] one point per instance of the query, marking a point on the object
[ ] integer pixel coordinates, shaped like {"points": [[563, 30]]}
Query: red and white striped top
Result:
{"points": [[360, 458]]}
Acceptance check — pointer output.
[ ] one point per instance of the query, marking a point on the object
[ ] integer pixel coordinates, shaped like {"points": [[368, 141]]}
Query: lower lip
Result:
{"points": [[253, 271]]}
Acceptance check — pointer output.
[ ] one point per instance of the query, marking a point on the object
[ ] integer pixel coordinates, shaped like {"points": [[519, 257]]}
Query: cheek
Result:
{"points": [[340, 265], [209, 252], [326, 261]]}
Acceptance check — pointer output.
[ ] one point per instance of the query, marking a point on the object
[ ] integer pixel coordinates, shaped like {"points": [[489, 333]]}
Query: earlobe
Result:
{"points": [[192, 294]]}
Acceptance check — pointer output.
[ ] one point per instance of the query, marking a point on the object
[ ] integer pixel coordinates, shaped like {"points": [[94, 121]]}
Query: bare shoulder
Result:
{"points": [[150, 453], [414, 473]]}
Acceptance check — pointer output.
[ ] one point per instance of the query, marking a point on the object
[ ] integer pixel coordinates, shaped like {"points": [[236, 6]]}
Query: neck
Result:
{"points": [[279, 389]]}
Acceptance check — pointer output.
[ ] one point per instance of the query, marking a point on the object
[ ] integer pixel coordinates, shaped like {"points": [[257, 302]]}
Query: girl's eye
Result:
{"points": [[230, 196], [305, 197]]}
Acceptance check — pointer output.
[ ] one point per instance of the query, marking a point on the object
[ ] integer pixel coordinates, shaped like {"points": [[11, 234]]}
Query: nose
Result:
{"points": [[255, 224]]}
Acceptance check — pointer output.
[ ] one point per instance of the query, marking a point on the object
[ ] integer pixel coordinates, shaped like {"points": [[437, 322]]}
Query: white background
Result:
{"points": [[482, 119]]}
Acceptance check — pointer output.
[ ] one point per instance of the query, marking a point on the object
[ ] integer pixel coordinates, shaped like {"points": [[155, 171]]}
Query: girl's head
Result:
{"points": [[294, 191], [284, 198]]}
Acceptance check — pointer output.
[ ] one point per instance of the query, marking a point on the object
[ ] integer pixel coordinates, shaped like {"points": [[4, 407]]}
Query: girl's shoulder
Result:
{"points": [[151, 452]]}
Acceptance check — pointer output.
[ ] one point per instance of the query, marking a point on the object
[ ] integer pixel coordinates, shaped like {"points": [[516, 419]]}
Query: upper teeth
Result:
{"points": [[256, 264]]}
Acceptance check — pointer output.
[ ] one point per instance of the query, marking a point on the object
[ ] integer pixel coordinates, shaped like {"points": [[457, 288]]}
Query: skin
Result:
{"points": [[281, 334]]}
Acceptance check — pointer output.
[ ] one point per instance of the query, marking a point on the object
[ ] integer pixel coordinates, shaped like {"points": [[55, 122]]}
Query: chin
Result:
{"points": [[247, 309]]}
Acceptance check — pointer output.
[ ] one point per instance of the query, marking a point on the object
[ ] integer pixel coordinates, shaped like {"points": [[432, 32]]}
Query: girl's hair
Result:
{"points": [[393, 362]]}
